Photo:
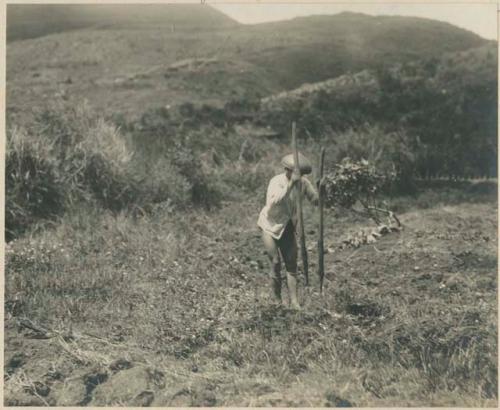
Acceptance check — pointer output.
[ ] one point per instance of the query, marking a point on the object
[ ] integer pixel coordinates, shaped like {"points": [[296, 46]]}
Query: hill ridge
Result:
{"points": [[365, 78], [111, 68], [33, 21]]}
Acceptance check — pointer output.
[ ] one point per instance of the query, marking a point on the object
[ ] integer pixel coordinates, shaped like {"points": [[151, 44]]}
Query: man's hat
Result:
{"points": [[304, 163]]}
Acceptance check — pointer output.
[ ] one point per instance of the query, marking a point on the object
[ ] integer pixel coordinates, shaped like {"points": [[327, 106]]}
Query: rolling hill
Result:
{"points": [[127, 68], [316, 48], [473, 66], [31, 20], [447, 105]]}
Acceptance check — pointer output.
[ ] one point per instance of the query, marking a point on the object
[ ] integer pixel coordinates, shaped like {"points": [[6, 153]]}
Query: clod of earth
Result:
{"points": [[16, 361], [133, 385], [26, 398], [70, 392], [123, 387], [143, 399], [333, 400], [92, 381], [40, 389], [120, 364]]}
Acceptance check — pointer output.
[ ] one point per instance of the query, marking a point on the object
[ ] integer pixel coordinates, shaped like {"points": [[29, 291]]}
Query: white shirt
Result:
{"points": [[281, 202]]}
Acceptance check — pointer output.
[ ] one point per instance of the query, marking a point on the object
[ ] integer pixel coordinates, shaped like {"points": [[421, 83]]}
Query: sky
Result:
{"points": [[478, 18]]}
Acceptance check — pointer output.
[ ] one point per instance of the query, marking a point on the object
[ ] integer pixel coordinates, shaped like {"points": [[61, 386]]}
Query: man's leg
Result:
{"points": [[273, 253], [288, 247]]}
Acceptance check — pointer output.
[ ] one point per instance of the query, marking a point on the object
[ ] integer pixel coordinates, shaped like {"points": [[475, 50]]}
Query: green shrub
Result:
{"points": [[353, 181], [91, 155], [32, 183], [389, 152], [71, 155], [153, 132], [202, 191], [160, 181], [104, 161], [68, 155]]}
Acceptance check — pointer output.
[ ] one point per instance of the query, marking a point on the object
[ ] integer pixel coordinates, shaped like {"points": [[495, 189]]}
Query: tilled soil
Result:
{"points": [[408, 320]]}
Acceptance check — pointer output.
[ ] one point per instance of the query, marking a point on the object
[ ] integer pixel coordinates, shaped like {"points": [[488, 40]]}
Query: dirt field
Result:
{"points": [[176, 311]]}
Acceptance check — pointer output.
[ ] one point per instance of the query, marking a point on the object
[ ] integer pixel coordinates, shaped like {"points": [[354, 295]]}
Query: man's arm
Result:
{"points": [[310, 192], [277, 192]]}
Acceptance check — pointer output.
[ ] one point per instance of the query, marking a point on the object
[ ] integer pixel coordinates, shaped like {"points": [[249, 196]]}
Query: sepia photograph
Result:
{"points": [[260, 204]]}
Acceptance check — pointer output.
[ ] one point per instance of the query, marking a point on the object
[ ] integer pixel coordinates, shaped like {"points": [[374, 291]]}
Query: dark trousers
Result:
{"points": [[284, 248]]}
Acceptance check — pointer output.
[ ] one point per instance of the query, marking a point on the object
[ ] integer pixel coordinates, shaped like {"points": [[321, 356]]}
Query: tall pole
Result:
{"points": [[321, 265], [298, 190]]}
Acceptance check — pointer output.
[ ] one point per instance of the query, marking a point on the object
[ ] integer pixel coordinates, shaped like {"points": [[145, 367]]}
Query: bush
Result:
{"points": [[100, 163], [32, 183], [91, 154], [178, 180], [389, 152], [353, 181], [359, 182], [152, 132], [71, 155], [161, 182], [202, 191], [68, 155]]}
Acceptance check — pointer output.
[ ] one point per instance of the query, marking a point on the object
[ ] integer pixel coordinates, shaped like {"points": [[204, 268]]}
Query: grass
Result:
{"points": [[434, 193], [408, 321]]}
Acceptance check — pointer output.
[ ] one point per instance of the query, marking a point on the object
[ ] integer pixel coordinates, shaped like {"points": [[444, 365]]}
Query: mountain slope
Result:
{"points": [[474, 65], [29, 21], [128, 68], [315, 48], [447, 104]]}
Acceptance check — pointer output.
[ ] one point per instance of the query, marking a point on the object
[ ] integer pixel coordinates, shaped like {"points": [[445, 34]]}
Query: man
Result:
{"points": [[278, 220]]}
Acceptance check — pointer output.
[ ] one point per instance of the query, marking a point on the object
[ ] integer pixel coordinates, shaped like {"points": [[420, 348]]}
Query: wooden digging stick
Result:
{"points": [[298, 190], [321, 265]]}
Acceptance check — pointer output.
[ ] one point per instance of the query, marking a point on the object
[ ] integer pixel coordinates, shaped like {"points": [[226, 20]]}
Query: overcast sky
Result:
{"points": [[479, 18]]}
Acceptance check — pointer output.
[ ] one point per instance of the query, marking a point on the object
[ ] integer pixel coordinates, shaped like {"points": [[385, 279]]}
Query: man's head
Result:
{"points": [[289, 164]]}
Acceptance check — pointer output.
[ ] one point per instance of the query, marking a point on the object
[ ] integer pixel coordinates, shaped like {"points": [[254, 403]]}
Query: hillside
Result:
{"points": [[352, 42], [30, 21], [474, 66], [444, 104], [125, 70]]}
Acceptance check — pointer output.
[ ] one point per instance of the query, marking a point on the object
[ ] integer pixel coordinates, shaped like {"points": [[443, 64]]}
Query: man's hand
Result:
{"points": [[295, 177], [320, 183]]}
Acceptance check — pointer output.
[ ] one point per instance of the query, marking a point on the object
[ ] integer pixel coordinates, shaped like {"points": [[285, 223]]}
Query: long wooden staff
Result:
{"points": [[303, 249], [321, 265]]}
